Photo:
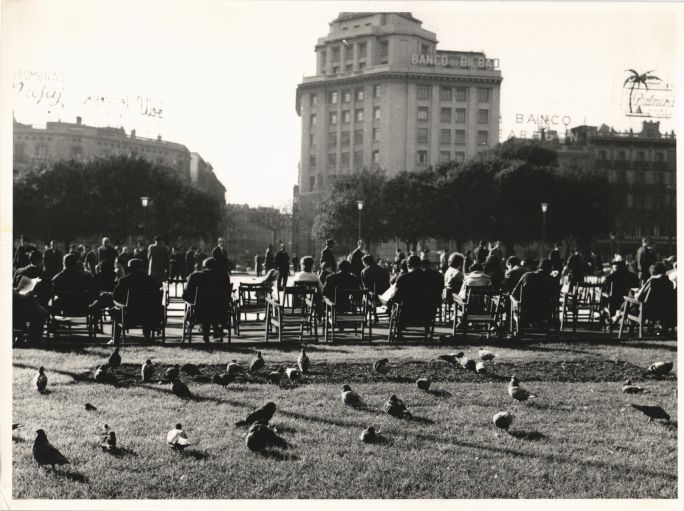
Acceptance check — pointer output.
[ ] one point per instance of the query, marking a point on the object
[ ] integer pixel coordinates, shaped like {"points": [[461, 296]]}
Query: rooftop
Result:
{"points": [[347, 16]]}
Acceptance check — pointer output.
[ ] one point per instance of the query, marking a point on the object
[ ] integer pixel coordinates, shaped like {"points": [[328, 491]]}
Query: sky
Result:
{"points": [[221, 77]]}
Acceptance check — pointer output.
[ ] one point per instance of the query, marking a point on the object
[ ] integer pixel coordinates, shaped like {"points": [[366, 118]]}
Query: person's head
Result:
{"points": [[219, 242], [425, 264], [413, 262], [476, 267], [512, 262], [36, 258], [282, 246], [329, 242], [53, 243], [209, 263], [482, 243], [72, 248], [556, 246], [528, 264], [618, 265], [70, 261], [105, 242], [403, 266], [81, 249], [456, 260], [359, 243], [368, 260], [136, 266], [658, 269], [546, 265], [398, 251], [21, 239], [307, 263], [645, 242], [344, 266], [159, 240]]}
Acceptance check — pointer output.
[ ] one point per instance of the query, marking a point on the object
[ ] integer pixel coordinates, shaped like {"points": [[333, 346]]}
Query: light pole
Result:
{"points": [[544, 208], [145, 202], [359, 204]]}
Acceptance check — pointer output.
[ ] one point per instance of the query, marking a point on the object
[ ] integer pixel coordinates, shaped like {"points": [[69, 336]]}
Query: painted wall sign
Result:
{"points": [[460, 61]]}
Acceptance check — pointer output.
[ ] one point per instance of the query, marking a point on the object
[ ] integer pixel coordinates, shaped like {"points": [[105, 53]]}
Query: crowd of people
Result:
{"points": [[107, 275]]}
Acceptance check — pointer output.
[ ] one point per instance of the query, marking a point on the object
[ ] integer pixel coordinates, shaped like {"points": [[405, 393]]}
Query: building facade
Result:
{"points": [[34, 147], [641, 168], [384, 97]]}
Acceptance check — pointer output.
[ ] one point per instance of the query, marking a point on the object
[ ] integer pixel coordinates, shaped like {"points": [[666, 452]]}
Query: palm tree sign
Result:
{"points": [[637, 80]]}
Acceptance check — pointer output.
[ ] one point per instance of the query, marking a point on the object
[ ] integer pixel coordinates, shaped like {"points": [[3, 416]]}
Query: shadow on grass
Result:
{"points": [[122, 451], [75, 477], [195, 454], [19, 440], [422, 420], [531, 436], [277, 455], [439, 393]]}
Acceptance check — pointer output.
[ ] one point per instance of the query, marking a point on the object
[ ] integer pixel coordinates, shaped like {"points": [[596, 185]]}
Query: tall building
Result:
{"points": [[641, 168], [385, 97], [63, 140]]}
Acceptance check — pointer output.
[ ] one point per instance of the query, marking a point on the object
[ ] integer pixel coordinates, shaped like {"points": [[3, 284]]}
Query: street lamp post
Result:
{"points": [[544, 208], [145, 203], [359, 204]]}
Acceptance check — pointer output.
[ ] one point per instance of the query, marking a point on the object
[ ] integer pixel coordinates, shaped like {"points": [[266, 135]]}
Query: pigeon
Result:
{"points": [[102, 375], [90, 408], [303, 362], [381, 366], [40, 380], [423, 384], [190, 369], [16, 425], [368, 435], [114, 359], [452, 358], [181, 389], [222, 379], [177, 438], [628, 388], [173, 373], [396, 408], [503, 420], [257, 364], [275, 376], [517, 392], [263, 414], [480, 368], [108, 439], [351, 398], [234, 368], [293, 373], [659, 368], [147, 370], [45, 453], [485, 355], [261, 436], [652, 412], [467, 363]]}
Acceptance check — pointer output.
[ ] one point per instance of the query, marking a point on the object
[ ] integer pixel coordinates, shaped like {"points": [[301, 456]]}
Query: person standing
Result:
{"points": [[189, 261], [481, 252], [270, 260], [259, 264], [158, 256], [221, 255], [328, 256], [295, 264], [556, 259], [282, 264], [91, 260], [52, 258], [106, 251], [21, 255], [356, 259], [645, 258]]}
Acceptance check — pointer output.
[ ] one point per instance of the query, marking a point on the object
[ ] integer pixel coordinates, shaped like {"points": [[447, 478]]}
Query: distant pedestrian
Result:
{"points": [[158, 256], [282, 264], [481, 252], [295, 263], [328, 256], [645, 257], [52, 258], [190, 261], [270, 259], [356, 259], [259, 264]]}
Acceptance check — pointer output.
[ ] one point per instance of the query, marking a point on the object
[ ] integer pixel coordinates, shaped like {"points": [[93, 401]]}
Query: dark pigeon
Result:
{"points": [[190, 369], [261, 437], [652, 412], [114, 359], [223, 379], [263, 414], [257, 364], [45, 453], [90, 408], [180, 389]]}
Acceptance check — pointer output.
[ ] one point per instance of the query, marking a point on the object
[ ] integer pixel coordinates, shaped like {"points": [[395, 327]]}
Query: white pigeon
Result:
{"points": [[177, 438], [147, 370], [467, 363], [303, 361], [628, 388], [293, 373], [503, 420], [351, 398], [233, 368], [40, 381], [480, 367], [659, 368], [517, 392], [485, 355], [108, 439]]}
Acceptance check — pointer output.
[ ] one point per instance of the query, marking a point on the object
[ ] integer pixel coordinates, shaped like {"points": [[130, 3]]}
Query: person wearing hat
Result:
{"points": [[144, 292], [617, 285], [645, 258], [328, 256]]}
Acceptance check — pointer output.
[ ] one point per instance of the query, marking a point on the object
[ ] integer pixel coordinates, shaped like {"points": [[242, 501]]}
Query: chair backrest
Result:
{"points": [[351, 301], [144, 306], [252, 294], [295, 298], [73, 303], [479, 300]]}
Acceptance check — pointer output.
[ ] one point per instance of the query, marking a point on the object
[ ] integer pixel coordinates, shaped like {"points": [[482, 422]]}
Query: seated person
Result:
{"points": [[374, 277], [514, 271], [415, 292], [476, 278], [325, 272], [211, 287], [617, 284], [492, 267], [27, 311], [453, 276], [400, 269], [268, 280], [539, 293], [105, 277], [436, 280], [34, 270], [343, 279], [72, 282], [659, 298], [307, 274], [130, 290]]}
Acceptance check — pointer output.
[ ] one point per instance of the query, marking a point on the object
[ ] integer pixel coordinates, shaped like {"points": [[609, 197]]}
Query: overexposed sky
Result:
{"points": [[224, 73]]}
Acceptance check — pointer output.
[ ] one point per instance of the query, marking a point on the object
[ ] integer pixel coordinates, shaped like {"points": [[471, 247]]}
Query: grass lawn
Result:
{"points": [[571, 442]]}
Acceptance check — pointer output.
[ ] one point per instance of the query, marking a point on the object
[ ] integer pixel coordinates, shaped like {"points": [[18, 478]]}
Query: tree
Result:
{"points": [[271, 219], [637, 80]]}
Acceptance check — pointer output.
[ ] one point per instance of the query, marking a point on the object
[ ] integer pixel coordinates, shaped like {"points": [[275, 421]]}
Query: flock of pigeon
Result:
{"points": [[261, 435]]}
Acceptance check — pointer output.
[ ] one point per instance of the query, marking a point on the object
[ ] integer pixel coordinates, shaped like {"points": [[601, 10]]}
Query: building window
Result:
{"points": [[630, 200], [612, 176], [359, 115], [461, 94], [336, 54], [422, 135], [344, 160], [346, 136], [334, 97], [423, 113], [332, 160], [376, 157], [333, 118], [602, 155], [459, 156], [312, 139], [423, 91], [314, 100], [445, 115], [312, 160], [376, 91], [621, 156], [346, 116], [358, 159], [332, 138], [422, 157], [376, 134], [640, 156], [363, 50], [444, 156], [459, 136], [358, 137], [639, 178], [359, 94], [312, 182], [312, 121], [335, 69], [445, 93], [483, 95], [76, 151], [460, 115], [483, 116], [346, 96], [482, 138], [384, 51], [376, 113], [18, 151], [445, 136], [659, 157], [362, 65]]}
